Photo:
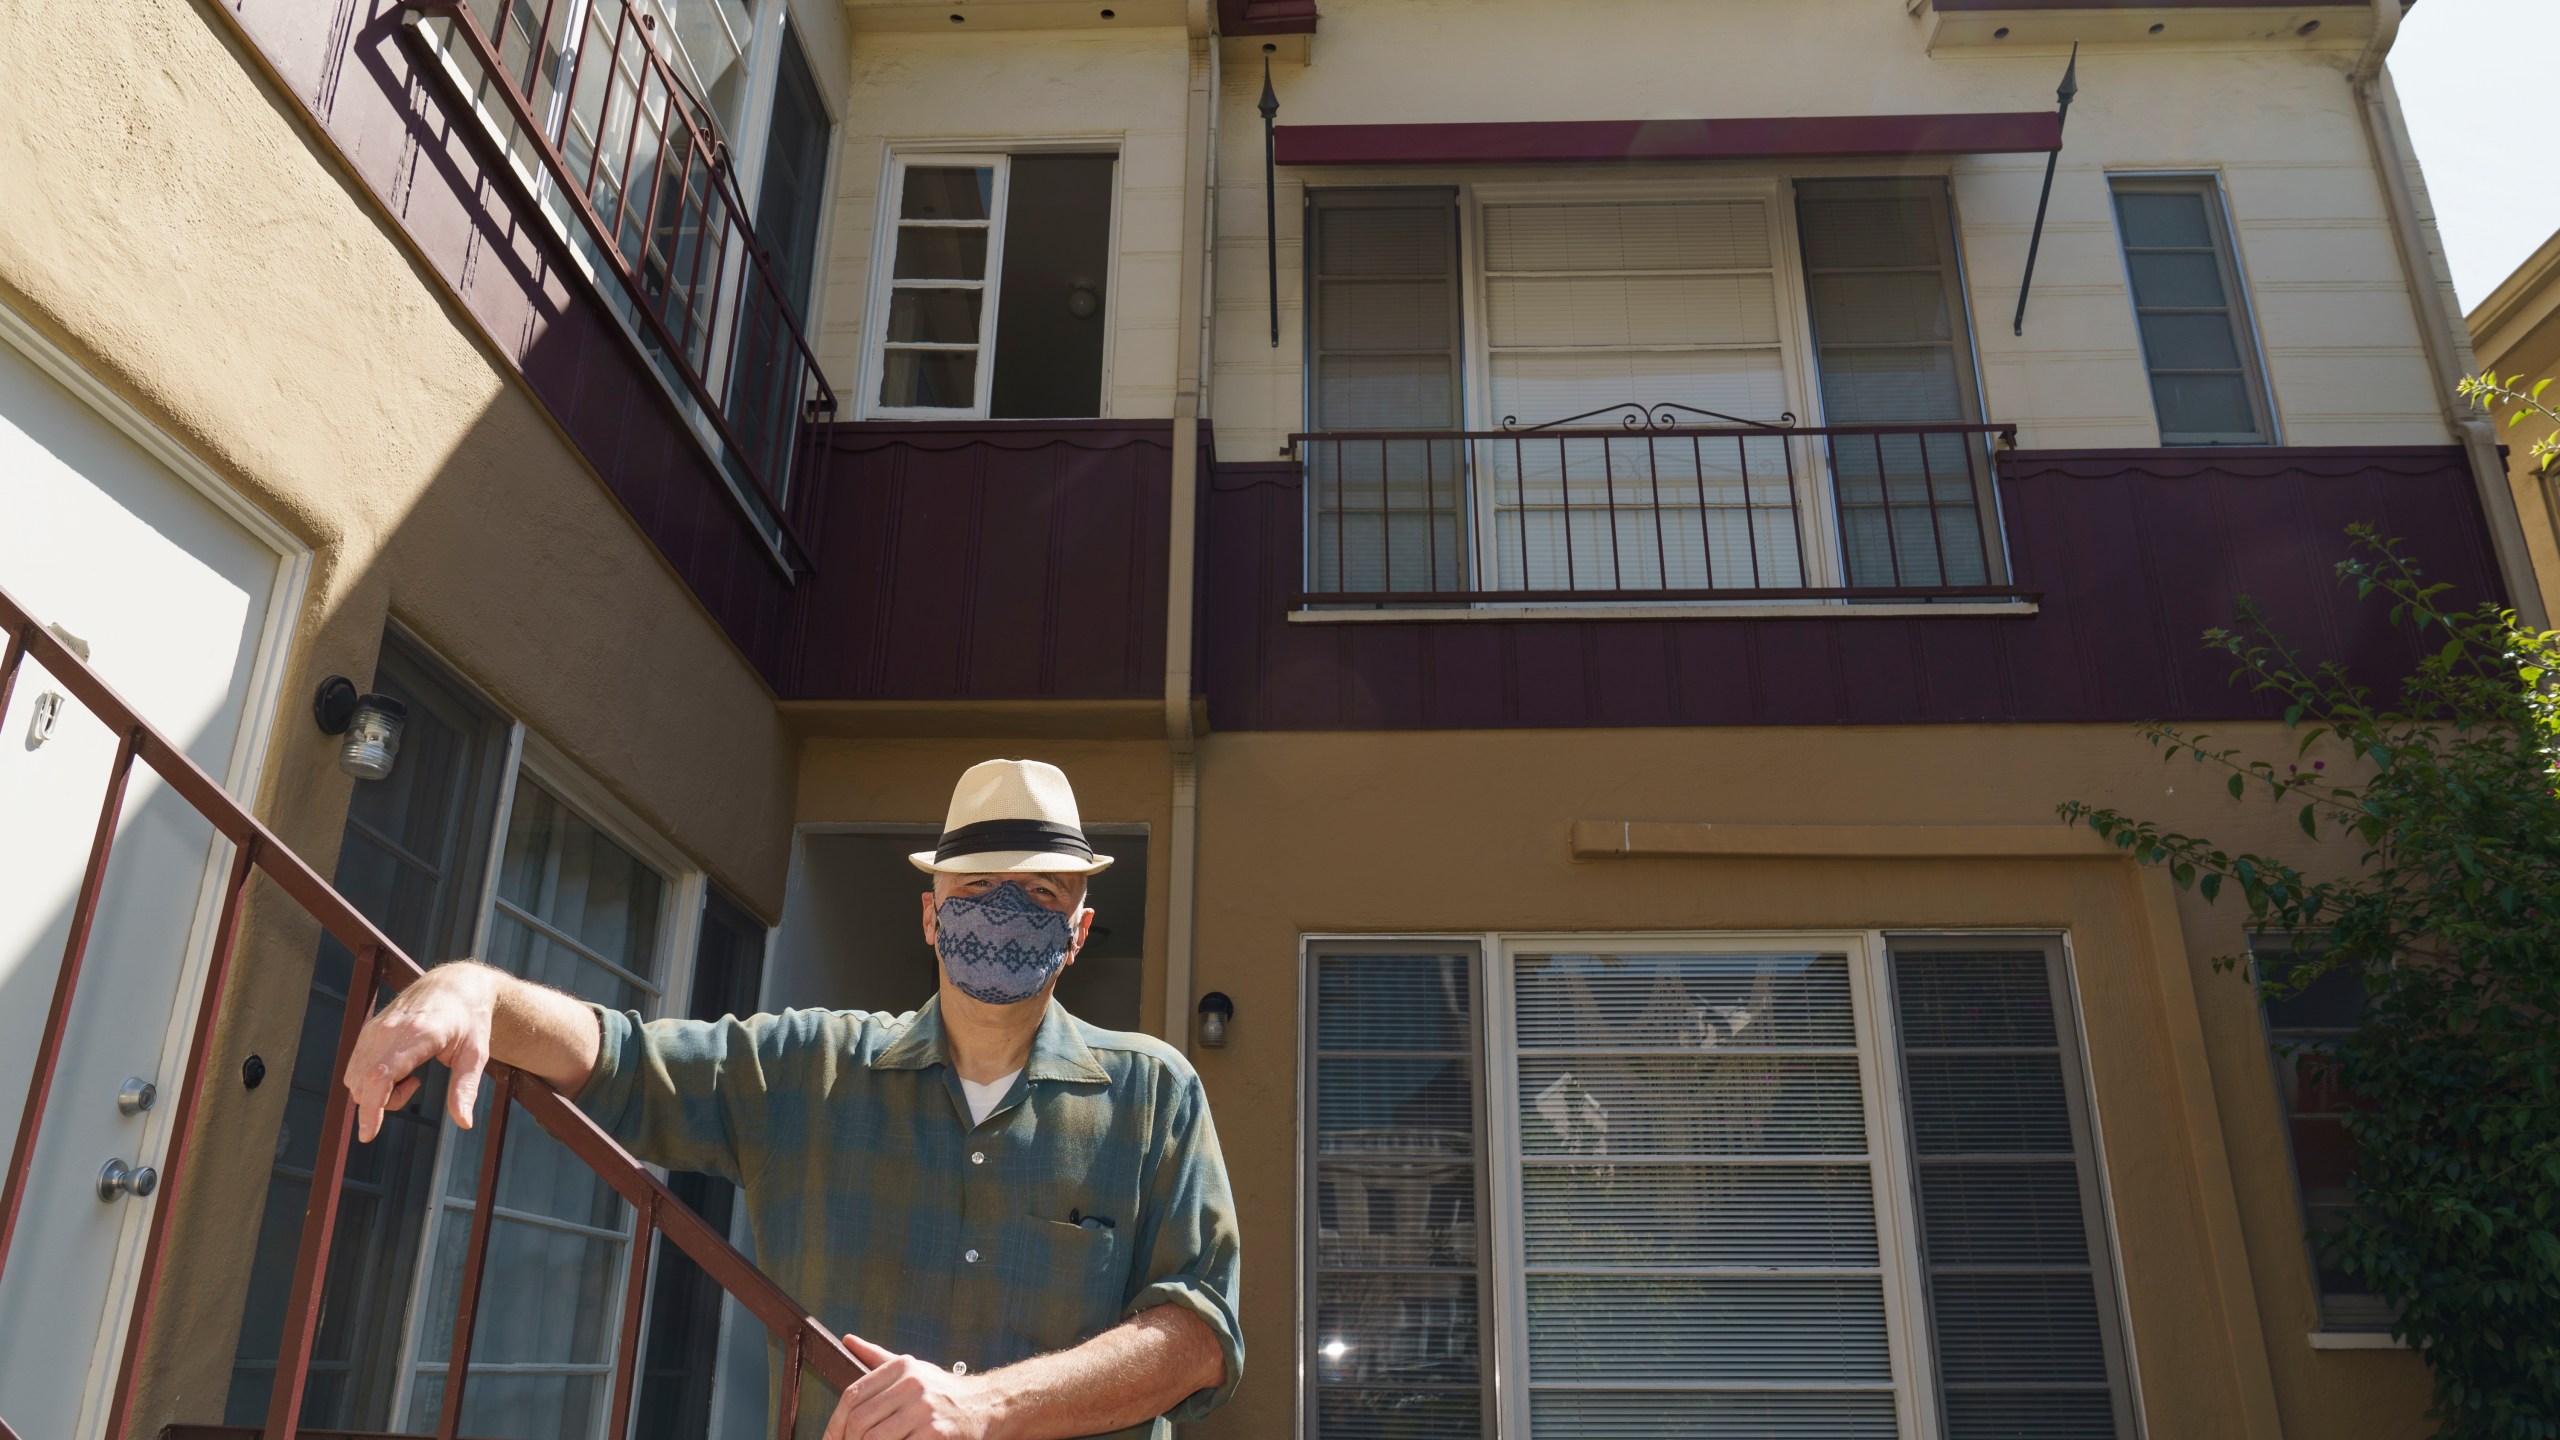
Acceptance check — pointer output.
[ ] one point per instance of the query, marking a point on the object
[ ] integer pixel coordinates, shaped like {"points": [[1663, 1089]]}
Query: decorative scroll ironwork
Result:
{"points": [[1656, 415]]}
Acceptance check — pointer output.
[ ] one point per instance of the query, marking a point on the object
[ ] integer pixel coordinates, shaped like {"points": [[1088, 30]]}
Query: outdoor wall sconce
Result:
{"points": [[371, 723], [1215, 1011]]}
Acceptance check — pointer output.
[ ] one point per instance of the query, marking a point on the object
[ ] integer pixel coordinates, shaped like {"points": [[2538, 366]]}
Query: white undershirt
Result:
{"points": [[983, 1098]]}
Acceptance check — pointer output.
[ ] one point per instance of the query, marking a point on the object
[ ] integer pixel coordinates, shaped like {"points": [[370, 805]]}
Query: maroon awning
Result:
{"points": [[1790, 137]]}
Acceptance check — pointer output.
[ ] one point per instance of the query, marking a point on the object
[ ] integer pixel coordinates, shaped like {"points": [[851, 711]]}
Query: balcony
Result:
{"points": [[1647, 509], [1561, 592]]}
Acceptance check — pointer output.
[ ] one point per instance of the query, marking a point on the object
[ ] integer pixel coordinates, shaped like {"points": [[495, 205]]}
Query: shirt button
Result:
{"points": [[959, 1367], [977, 1157], [971, 1257]]}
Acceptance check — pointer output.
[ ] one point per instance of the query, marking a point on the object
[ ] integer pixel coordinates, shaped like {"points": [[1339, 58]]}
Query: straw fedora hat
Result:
{"points": [[1011, 815]]}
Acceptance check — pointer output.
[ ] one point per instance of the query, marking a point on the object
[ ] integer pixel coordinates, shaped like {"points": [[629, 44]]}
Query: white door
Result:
{"points": [[181, 605]]}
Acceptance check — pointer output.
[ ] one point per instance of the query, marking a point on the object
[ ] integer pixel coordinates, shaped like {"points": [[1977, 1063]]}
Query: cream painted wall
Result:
{"points": [[2272, 117], [1122, 88]]}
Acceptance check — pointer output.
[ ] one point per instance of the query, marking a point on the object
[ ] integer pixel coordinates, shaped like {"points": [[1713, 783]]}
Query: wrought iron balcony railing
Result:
{"points": [[1652, 508], [380, 970], [599, 130]]}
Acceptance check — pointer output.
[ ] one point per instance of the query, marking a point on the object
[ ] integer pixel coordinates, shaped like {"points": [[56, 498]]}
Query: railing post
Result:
{"points": [[57, 1019], [635, 1299], [320, 1215], [146, 1288], [9, 666], [787, 1424], [475, 1253]]}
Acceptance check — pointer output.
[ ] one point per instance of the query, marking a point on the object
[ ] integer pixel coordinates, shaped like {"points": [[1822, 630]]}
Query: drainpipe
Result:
{"points": [[2448, 350], [1199, 163]]}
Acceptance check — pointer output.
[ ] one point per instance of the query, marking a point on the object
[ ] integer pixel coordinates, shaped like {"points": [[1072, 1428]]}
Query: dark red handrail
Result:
{"points": [[380, 968], [1641, 481], [686, 253]]}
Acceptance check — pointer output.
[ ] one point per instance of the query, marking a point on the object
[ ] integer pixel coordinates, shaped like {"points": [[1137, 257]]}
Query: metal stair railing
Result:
{"points": [[380, 969]]}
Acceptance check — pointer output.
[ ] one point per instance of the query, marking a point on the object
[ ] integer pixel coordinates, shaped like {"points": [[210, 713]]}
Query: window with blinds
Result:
{"points": [[2196, 334], [1383, 351], [2022, 1313], [1396, 1332], [1891, 347], [1591, 304], [1702, 1196]]}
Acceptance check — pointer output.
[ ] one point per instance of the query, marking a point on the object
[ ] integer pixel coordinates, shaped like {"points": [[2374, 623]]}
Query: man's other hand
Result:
{"points": [[904, 1398], [445, 1016]]}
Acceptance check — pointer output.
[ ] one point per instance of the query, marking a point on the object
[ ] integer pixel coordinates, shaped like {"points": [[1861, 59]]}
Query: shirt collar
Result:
{"points": [[1058, 1049]]}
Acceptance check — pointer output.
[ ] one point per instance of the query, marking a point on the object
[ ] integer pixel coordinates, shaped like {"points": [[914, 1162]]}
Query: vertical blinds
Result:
{"points": [[1383, 335], [1599, 303], [2020, 1308], [1698, 1199], [1891, 347], [1395, 1270]]}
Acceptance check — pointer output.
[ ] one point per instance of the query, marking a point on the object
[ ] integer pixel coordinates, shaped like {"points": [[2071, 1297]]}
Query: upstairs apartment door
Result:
{"points": [[182, 597]]}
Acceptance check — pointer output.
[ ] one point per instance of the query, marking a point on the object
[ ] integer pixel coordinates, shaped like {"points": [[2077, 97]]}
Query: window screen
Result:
{"points": [[1394, 1273], [2021, 1308], [1698, 1199], [2303, 1031], [2196, 335], [1383, 337], [1892, 347]]}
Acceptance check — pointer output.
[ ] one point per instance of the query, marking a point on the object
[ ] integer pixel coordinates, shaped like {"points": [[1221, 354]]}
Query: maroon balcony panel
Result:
{"points": [[2134, 554], [391, 126], [989, 560]]}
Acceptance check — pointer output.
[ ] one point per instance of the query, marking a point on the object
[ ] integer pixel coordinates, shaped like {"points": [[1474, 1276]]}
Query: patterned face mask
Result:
{"points": [[1001, 945]]}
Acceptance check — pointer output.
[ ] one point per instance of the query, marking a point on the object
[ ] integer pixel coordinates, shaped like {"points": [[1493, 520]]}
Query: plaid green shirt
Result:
{"points": [[1094, 1189]]}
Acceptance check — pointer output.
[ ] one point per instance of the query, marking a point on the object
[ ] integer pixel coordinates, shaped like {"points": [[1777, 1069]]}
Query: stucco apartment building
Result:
{"points": [[1558, 542]]}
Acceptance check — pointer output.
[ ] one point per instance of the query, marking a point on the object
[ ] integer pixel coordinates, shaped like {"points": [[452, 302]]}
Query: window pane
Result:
{"points": [[943, 317], [2203, 405], [1699, 1214], [1721, 1415], [570, 876], [1398, 1414], [947, 192], [1054, 301], [1812, 1330], [2303, 1030], [2190, 342], [1683, 1002], [2171, 220], [1386, 1214], [1393, 1002], [938, 252], [2177, 281], [1404, 1106], [929, 379], [1397, 1329]]}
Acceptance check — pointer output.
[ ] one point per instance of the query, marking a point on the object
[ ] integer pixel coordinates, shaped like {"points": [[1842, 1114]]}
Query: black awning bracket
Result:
{"points": [[1270, 108], [2063, 96]]}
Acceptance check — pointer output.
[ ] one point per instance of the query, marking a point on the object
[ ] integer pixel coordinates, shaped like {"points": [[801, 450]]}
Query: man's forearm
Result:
{"points": [[544, 1032], [1126, 1375]]}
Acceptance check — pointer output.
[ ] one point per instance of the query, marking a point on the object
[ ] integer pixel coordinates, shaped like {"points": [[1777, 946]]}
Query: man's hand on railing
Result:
{"points": [[467, 1014], [1136, 1370]]}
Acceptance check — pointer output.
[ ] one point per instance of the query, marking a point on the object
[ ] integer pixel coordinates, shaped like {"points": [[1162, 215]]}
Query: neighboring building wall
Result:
{"points": [[2517, 333], [1122, 90], [2272, 117], [175, 225]]}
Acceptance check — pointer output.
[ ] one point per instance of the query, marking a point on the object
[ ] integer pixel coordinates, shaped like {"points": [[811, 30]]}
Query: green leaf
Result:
{"points": [[2239, 787], [2309, 826], [2211, 886]]}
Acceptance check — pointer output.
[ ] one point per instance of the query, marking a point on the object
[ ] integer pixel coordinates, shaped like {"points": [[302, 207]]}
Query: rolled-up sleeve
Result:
{"points": [[689, 1094], [1188, 1246]]}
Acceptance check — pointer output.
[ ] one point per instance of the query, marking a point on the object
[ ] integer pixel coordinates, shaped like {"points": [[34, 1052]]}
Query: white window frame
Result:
{"points": [[1504, 1276], [1817, 516], [2242, 306], [935, 153], [530, 756]]}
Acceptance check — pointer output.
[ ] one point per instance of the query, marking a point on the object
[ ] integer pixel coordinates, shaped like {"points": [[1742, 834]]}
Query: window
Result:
{"points": [[993, 299], [2303, 1031], [2187, 298], [1837, 1186], [1891, 347], [537, 885]]}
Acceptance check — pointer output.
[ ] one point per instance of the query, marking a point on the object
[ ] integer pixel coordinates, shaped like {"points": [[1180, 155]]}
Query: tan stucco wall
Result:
{"points": [[2272, 117], [1122, 90], [1468, 832], [172, 223], [2517, 333]]}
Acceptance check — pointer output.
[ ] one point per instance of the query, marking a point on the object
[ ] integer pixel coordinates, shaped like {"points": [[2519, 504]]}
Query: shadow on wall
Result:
{"points": [[852, 938]]}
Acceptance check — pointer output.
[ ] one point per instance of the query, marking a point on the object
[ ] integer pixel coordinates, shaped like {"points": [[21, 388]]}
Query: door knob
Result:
{"points": [[136, 1096], [117, 1179]]}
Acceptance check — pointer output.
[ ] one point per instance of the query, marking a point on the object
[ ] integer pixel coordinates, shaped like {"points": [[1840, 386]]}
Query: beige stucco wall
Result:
{"points": [[173, 223], [1468, 832], [2516, 332], [2272, 117], [1120, 89]]}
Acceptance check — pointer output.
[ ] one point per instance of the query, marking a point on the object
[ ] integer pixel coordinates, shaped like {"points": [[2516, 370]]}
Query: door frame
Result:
{"points": [[242, 774]]}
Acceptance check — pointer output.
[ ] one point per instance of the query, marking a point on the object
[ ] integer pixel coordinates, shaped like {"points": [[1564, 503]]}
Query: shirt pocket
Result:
{"points": [[1078, 1270]]}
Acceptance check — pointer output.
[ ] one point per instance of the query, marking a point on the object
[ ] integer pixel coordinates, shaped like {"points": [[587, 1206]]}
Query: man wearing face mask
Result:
{"points": [[1021, 1222]]}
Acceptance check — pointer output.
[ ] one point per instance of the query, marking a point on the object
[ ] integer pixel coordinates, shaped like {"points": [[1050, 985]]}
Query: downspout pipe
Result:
{"points": [[1182, 868], [2447, 347]]}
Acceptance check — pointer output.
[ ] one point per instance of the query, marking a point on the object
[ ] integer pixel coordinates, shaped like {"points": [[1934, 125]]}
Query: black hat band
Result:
{"points": [[989, 836]]}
